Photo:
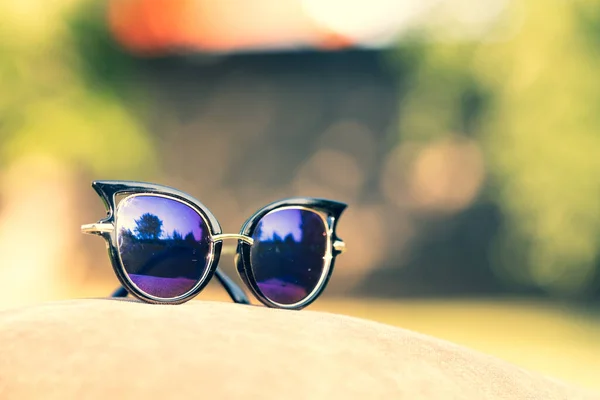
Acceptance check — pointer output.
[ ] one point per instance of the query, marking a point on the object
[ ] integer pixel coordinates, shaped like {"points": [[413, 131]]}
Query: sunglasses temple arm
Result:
{"points": [[234, 291], [120, 292]]}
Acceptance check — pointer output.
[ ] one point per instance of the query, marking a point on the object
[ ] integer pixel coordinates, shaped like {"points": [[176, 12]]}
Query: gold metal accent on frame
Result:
{"points": [[94, 229], [231, 250], [237, 236], [340, 246]]}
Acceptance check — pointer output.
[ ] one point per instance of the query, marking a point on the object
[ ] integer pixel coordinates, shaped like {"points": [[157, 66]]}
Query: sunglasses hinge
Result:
{"points": [[97, 228], [340, 246]]}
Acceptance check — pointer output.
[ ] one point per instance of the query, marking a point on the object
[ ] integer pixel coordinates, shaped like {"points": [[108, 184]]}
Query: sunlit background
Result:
{"points": [[465, 137]]}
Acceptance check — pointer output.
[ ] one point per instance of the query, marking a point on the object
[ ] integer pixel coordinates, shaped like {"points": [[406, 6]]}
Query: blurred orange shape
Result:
{"points": [[162, 26]]}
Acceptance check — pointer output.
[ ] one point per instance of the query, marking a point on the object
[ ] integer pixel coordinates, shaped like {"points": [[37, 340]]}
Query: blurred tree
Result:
{"points": [[531, 101], [53, 105]]}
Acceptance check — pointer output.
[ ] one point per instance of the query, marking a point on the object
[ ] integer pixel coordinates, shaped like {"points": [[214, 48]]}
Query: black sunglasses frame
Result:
{"points": [[329, 210]]}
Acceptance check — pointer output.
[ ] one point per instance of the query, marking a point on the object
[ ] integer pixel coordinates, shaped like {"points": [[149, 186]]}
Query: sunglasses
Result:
{"points": [[164, 246]]}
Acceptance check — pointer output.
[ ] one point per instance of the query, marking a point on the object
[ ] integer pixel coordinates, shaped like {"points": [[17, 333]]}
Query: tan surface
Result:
{"points": [[120, 349]]}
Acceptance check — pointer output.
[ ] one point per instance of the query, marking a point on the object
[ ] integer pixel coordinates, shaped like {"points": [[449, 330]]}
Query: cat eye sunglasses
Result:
{"points": [[165, 246]]}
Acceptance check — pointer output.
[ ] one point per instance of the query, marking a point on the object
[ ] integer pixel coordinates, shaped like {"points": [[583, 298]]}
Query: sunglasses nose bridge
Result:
{"points": [[232, 249], [235, 236]]}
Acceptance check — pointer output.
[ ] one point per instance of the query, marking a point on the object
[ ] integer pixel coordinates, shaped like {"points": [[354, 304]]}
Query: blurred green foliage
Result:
{"points": [[53, 99], [532, 102]]}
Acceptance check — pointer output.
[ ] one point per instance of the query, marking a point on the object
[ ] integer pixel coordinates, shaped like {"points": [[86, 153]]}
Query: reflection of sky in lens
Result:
{"points": [[173, 214], [283, 223]]}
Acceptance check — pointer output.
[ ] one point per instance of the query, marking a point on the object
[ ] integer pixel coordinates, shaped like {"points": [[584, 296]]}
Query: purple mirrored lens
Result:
{"points": [[287, 256], [164, 244]]}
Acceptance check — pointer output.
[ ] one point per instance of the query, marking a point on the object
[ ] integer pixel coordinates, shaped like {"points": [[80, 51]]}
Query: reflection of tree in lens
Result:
{"points": [[190, 237], [148, 227], [126, 233], [177, 237], [126, 238], [311, 227], [258, 231], [288, 267]]}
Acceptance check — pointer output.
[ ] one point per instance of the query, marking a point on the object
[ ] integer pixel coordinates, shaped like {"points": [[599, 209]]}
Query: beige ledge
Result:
{"points": [[111, 349]]}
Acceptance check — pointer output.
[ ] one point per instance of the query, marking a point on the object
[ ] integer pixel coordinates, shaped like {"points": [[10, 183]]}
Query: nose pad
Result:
{"points": [[236, 258]]}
